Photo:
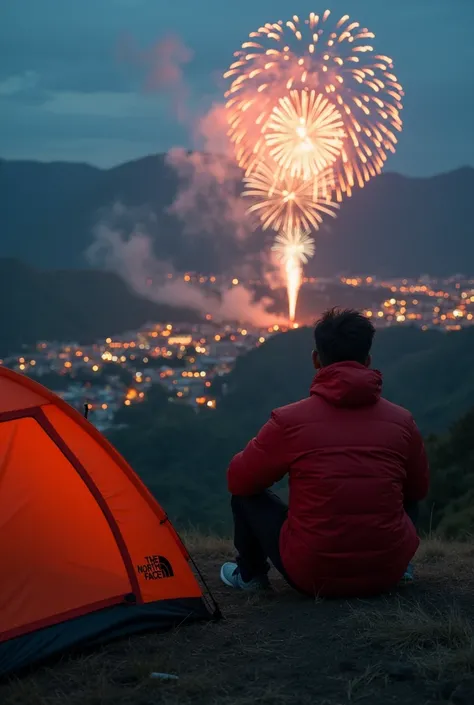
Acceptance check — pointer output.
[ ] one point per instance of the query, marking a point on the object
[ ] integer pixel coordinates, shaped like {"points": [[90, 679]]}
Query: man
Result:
{"points": [[356, 466]]}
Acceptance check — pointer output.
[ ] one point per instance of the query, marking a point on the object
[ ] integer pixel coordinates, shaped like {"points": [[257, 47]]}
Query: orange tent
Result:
{"points": [[86, 552]]}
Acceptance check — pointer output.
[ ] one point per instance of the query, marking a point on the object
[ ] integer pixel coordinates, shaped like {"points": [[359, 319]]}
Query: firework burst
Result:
{"points": [[286, 203], [312, 111], [333, 59], [304, 134]]}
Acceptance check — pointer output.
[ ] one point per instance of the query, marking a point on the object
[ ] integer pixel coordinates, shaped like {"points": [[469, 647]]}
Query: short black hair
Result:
{"points": [[343, 335]]}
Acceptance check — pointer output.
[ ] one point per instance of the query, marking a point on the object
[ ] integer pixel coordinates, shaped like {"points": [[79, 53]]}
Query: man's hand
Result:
{"points": [[418, 473]]}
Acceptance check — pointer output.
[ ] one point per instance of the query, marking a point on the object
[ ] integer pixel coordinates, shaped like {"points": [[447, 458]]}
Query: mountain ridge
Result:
{"points": [[60, 162], [395, 226], [79, 305]]}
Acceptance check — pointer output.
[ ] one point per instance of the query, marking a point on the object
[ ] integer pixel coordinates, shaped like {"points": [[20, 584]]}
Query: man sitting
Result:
{"points": [[357, 469]]}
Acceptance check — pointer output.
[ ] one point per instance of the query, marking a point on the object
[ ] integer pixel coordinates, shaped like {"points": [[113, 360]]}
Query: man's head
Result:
{"points": [[342, 336]]}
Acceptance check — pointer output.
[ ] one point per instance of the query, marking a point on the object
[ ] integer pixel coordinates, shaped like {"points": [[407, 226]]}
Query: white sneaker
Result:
{"points": [[230, 575]]}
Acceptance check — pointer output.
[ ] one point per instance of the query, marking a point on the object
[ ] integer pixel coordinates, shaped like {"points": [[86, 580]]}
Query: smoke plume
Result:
{"points": [[162, 65], [212, 215], [130, 255], [208, 199]]}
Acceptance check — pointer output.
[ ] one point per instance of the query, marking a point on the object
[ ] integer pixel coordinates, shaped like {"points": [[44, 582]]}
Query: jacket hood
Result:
{"points": [[348, 384]]}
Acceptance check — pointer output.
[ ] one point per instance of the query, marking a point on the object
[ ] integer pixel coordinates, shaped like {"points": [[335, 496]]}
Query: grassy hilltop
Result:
{"points": [[415, 647]]}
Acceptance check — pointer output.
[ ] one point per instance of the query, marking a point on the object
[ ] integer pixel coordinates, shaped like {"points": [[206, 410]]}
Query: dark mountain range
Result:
{"points": [[71, 305], [394, 226]]}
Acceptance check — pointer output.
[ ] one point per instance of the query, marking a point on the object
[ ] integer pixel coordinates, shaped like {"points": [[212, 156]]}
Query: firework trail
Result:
{"points": [[293, 249], [313, 111]]}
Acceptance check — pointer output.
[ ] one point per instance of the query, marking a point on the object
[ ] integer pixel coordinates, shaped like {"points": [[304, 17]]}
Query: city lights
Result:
{"points": [[187, 359]]}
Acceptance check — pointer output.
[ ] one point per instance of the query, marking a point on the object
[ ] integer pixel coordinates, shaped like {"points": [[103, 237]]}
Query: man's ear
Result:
{"points": [[316, 361]]}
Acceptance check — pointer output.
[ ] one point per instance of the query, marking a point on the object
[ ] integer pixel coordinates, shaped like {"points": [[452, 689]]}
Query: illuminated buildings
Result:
{"points": [[188, 359]]}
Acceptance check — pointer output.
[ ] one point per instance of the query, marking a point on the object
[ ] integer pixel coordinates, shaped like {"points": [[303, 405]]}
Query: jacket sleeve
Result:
{"points": [[262, 463], [418, 475]]}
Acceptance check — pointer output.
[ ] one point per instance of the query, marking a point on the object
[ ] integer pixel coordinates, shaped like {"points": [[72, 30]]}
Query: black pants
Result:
{"points": [[257, 523]]}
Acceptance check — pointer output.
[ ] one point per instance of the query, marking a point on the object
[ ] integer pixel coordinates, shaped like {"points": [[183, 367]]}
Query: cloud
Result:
{"points": [[76, 54], [105, 129], [23, 88], [106, 105], [17, 84]]}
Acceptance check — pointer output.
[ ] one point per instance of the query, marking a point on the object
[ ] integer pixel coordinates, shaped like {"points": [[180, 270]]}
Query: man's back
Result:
{"points": [[353, 458]]}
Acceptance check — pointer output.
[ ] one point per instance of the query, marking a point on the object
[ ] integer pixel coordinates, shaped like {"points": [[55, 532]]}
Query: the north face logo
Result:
{"points": [[155, 568]]}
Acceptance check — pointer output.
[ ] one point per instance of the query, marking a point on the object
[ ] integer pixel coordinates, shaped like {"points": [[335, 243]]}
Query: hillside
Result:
{"points": [[182, 456], [451, 501], [429, 372], [71, 305], [415, 647], [394, 226]]}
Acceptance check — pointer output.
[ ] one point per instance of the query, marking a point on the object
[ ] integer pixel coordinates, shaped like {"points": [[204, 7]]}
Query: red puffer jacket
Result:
{"points": [[353, 458]]}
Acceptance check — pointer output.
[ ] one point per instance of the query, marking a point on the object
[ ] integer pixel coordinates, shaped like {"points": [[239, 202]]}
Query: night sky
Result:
{"points": [[76, 83]]}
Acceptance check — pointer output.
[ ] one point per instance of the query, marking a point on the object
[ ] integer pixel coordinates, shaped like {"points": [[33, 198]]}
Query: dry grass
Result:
{"points": [[437, 641], [361, 685], [207, 546], [435, 550], [410, 626], [282, 649], [107, 679], [442, 661]]}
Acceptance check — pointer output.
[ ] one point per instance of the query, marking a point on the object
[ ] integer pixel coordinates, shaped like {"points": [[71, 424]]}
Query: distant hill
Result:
{"points": [[71, 305], [429, 372], [394, 226]]}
